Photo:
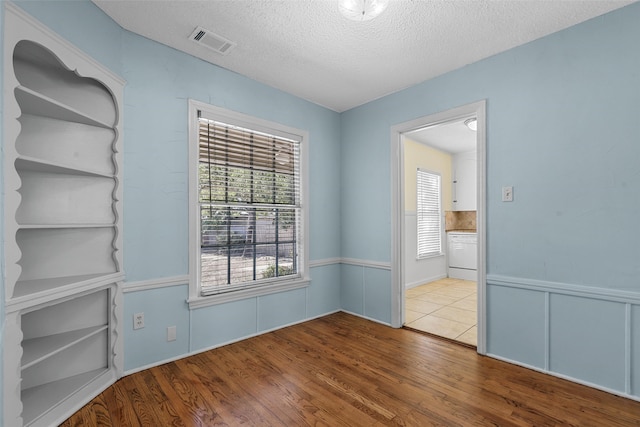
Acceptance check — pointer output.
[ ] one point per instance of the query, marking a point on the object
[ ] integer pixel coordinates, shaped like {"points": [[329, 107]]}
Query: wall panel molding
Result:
{"points": [[366, 263], [162, 282], [580, 298], [613, 295], [324, 262]]}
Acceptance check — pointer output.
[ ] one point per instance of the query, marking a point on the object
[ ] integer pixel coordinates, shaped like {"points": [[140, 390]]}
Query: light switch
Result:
{"points": [[507, 194]]}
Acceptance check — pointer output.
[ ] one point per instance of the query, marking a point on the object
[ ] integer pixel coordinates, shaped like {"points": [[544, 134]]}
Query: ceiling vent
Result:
{"points": [[212, 41]]}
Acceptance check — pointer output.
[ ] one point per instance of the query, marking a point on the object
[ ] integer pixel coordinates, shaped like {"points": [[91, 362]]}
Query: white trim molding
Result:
{"points": [[257, 291], [324, 262], [196, 299], [478, 110], [564, 377], [146, 285], [366, 263], [613, 295]]}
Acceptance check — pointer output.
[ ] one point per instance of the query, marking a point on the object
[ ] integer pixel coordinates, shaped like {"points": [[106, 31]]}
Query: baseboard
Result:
{"points": [[423, 281], [213, 347], [565, 377]]}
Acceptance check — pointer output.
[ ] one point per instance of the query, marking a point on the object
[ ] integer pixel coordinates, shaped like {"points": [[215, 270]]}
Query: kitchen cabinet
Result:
{"points": [[464, 188]]}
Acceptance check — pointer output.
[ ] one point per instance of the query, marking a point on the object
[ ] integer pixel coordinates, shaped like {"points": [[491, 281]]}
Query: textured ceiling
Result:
{"points": [[306, 48]]}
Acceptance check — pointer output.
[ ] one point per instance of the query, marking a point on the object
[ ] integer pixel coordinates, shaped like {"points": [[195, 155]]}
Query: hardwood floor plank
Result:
{"points": [[344, 370], [119, 405]]}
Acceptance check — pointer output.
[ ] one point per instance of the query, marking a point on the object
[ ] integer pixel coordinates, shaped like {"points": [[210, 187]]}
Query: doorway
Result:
{"points": [[451, 294]]}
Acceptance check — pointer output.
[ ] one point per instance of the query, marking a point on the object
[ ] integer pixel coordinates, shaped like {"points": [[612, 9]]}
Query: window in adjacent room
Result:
{"points": [[429, 214], [249, 208]]}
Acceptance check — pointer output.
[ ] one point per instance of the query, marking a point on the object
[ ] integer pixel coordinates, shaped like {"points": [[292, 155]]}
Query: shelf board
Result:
{"points": [[36, 350], [38, 400], [31, 287], [60, 226], [24, 163], [37, 104]]}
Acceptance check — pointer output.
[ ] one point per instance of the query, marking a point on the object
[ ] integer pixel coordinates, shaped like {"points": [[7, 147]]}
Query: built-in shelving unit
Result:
{"points": [[63, 225]]}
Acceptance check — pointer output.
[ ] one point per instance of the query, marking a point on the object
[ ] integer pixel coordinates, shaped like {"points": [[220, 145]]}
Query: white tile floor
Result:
{"points": [[446, 307]]}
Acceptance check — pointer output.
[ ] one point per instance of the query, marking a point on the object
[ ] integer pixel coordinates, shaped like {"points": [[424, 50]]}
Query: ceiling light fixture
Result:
{"points": [[472, 123], [362, 10]]}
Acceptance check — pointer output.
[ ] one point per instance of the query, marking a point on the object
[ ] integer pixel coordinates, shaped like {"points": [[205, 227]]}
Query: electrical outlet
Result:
{"points": [[138, 321], [507, 194], [171, 333]]}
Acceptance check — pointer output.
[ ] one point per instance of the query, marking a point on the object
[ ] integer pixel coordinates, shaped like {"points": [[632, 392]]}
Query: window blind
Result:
{"points": [[249, 194], [429, 214]]}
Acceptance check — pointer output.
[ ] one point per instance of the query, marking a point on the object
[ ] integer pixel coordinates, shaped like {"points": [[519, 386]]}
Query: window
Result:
{"points": [[248, 202], [429, 214]]}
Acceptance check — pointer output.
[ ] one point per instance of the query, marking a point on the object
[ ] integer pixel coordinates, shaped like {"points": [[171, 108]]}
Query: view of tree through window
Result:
{"points": [[249, 205]]}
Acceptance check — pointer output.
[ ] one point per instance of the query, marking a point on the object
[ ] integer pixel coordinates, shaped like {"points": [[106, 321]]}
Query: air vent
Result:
{"points": [[212, 41]]}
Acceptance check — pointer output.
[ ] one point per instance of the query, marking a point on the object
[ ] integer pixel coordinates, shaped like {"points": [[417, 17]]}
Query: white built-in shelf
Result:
{"points": [[40, 399], [38, 349], [37, 104], [60, 226], [31, 287], [62, 158], [31, 164]]}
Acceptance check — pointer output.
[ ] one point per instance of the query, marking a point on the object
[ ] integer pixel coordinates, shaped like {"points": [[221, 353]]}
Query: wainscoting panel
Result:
{"points": [[587, 340], [323, 296], [585, 334], [352, 290], [222, 323], [284, 308], [516, 324], [377, 294], [162, 307], [634, 356]]}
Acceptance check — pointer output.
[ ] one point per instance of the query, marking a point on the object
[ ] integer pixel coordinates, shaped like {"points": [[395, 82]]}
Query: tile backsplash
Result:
{"points": [[460, 220]]}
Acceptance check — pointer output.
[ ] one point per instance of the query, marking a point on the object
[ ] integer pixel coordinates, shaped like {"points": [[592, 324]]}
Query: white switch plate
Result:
{"points": [[507, 194], [171, 333]]}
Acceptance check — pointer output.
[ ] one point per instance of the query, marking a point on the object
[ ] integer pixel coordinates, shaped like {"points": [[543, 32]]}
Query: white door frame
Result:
{"points": [[477, 109]]}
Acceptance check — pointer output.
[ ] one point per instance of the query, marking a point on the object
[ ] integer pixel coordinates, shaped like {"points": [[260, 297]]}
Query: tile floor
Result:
{"points": [[446, 307]]}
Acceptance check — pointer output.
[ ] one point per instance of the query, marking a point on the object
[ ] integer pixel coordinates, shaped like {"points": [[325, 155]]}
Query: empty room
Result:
{"points": [[257, 212]]}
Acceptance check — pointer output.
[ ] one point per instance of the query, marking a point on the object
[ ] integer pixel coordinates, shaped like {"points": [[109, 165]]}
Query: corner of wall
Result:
{"points": [[1, 219]]}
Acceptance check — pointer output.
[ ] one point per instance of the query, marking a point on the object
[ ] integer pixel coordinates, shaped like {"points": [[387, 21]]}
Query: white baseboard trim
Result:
{"points": [[565, 377], [366, 317], [425, 280], [213, 347]]}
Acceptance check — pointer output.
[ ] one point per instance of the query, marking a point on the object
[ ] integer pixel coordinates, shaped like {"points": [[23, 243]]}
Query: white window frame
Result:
{"points": [[196, 299], [439, 214]]}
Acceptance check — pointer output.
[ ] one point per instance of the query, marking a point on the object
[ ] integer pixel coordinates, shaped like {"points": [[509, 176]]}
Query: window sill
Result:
{"points": [[206, 301]]}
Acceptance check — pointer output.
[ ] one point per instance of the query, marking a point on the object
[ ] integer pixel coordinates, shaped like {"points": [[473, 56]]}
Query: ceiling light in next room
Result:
{"points": [[362, 10], [472, 123]]}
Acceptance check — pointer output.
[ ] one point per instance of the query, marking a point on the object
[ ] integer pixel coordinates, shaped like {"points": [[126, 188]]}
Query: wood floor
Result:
{"points": [[341, 370]]}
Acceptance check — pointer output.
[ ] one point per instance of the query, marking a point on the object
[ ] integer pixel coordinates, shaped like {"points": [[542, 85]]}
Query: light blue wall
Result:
{"points": [[563, 129], [1, 217], [160, 80], [159, 83], [163, 307], [83, 24]]}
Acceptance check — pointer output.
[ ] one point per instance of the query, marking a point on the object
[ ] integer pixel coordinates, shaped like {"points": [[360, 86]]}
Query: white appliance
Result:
{"points": [[462, 251]]}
